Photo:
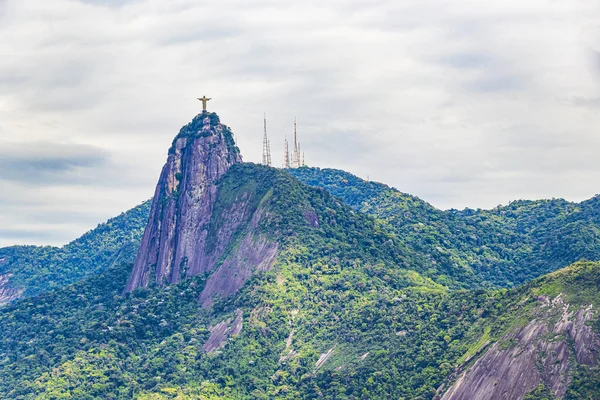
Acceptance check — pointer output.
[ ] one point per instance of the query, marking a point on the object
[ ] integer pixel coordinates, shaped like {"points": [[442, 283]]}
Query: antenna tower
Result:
{"points": [[266, 157], [286, 155], [296, 155]]}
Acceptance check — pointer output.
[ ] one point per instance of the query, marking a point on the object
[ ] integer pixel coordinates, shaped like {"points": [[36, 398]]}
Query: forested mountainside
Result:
{"points": [[250, 284], [334, 276], [28, 270], [505, 246], [295, 332]]}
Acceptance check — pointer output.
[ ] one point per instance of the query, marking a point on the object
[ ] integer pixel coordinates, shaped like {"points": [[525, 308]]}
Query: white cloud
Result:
{"points": [[462, 103]]}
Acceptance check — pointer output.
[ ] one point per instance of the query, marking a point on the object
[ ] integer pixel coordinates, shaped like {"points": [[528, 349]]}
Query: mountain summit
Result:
{"points": [[174, 244]]}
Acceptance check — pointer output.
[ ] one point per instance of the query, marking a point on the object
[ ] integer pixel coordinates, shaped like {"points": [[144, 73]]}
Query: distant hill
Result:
{"points": [[30, 270], [504, 246]]}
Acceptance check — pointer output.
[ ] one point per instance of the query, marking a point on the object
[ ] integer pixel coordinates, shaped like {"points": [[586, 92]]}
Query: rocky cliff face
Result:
{"points": [[254, 252], [7, 293], [176, 242], [544, 351]]}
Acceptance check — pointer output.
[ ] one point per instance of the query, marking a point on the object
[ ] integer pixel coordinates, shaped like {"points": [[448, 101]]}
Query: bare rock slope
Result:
{"points": [[7, 293], [543, 348], [187, 235]]}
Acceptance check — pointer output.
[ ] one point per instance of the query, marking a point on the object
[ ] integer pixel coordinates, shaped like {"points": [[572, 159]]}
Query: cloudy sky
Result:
{"points": [[465, 103]]}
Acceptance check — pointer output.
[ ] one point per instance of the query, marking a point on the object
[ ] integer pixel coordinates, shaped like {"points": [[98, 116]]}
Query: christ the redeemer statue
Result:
{"points": [[204, 100]]}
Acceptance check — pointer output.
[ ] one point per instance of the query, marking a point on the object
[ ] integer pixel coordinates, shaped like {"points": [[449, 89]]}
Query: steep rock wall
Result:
{"points": [[540, 352], [174, 244]]}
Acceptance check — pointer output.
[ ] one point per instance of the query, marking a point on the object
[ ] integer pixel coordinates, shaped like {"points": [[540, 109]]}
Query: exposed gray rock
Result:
{"points": [[7, 293], [289, 351], [525, 357], [222, 331], [585, 341], [254, 253], [501, 374], [323, 359], [236, 327], [218, 334], [174, 244]]}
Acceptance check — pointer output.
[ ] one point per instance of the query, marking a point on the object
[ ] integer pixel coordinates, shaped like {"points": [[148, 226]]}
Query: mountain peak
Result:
{"points": [[172, 246], [205, 125]]}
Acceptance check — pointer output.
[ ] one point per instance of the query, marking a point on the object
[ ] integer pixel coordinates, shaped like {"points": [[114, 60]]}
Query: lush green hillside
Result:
{"points": [[339, 282], [348, 311], [504, 246], [36, 269], [86, 341]]}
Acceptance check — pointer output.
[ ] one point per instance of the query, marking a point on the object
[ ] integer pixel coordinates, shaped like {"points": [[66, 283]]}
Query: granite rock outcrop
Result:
{"points": [[541, 352], [176, 241]]}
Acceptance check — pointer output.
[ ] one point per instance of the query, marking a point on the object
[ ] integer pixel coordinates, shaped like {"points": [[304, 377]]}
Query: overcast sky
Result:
{"points": [[462, 103]]}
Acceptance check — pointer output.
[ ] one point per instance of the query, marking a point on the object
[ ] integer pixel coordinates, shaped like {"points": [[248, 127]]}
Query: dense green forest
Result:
{"points": [[359, 305], [505, 246], [35, 269], [343, 259], [87, 341]]}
